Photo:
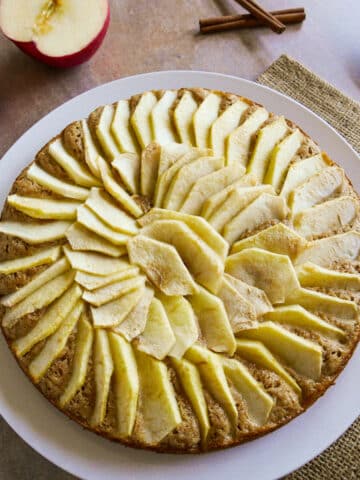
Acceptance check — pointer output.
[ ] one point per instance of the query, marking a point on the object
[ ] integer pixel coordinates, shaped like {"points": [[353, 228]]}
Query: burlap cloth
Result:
{"points": [[341, 461]]}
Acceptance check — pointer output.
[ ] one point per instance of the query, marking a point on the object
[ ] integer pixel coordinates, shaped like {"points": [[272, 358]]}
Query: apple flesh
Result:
{"points": [[60, 33]]}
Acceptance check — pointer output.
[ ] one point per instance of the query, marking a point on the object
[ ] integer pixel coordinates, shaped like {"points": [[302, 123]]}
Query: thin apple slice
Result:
{"points": [[114, 290], [170, 154], [269, 271], [281, 157], [128, 167], [55, 344], [135, 322], [61, 266], [191, 383], [116, 190], [161, 120], [259, 403], [204, 117], [209, 185], [103, 132], [211, 370], [197, 224], [302, 355], [277, 239], [113, 313], [83, 347], [95, 263], [92, 282], [90, 150], [183, 118], [141, 118], [50, 321], [126, 384], [255, 296], [311, 275], [213, 321], [121, 130], [65, 189], [103, 370], [266, 141], [239, 141], [41, 257], [224, 125], [35, 233], [150, 158], [263, 209], [44, 208], [186, 177], [327, 217], [202, 262], [80, 238], [162, 264], [301, 171], [39, 299], [338, 248], [256, 352], [77, 172], [182, 322], [298, 316], [88, 219], [159, 409]]}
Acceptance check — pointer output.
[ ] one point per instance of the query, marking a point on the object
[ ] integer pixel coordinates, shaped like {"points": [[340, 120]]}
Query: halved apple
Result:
{"points": [[140, 119], [95, 263], [204, 117], [183, 118], [121, 129], [114, 290], [160, 118], [42, 257], [255, 296], [34, 233], [128, 167], [150, 158], [88, 219], [311, 275], [44, 208], [103, 132], [90, 150], [80, 238], [92, 282]]}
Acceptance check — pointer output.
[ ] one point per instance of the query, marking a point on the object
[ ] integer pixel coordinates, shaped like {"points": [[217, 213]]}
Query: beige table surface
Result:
{"points": [[150, 35]]}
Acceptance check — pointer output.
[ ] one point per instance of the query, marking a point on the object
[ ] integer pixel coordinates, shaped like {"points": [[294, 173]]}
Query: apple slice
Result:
{"points": [[44, 208], [150, 158], [87, 218], [50, 321], [103, 132], [266, 141], [256, 297], [113, 291], [92, 282], [46, 30], [302, 355], [34, 233], [211, 370], [271, 272], [225, 124], [83, 347], [170, 154], [204, 117], [298, 316], [55, 344], [202, 262], [128, 167], [213, 321], [48, 255], [94, 263], [186, 177], [39, 299], [327, 217], [320, 302], [141, 118], [259, 403], [182, 322], [75, 170], [338, 248], [162, 265], [183, 118], [161, 120], [311, 275], [90, 150], [191, 383], [196, 224], [113, 313], [281, 157], [80, 238], [121, 129], [256, 352], [135, 322], [209, 185], [126, 384], [52, 183], [277, 239], [263, 209], [159, 409], [239, 140], [103, 370]]}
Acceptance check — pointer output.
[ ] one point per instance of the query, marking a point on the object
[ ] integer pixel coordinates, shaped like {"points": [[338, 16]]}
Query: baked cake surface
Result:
{"points": [[180, 271]]}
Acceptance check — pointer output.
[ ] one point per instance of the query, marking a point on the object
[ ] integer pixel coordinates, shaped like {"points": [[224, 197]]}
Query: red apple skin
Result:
{"points": [[72, 59]]}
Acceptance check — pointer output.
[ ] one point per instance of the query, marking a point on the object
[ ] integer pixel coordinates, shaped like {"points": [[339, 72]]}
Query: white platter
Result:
{"points": [[90, 457]]}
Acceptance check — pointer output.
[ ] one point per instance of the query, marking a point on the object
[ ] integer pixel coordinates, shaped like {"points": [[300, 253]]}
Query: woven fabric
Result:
{"points": [[341, 461]]}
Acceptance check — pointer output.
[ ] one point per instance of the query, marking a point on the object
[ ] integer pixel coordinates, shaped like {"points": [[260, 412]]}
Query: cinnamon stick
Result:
{"points": [[262, 15], [205, 22]]}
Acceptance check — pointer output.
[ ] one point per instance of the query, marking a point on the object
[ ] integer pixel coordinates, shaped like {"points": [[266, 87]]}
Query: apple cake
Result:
{"points": [[180, 271]]}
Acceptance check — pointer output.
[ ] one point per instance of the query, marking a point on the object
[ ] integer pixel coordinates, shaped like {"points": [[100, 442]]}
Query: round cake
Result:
{"points": [[179, 271]]}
